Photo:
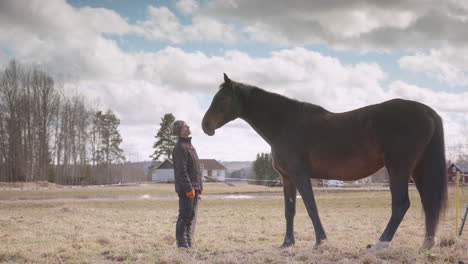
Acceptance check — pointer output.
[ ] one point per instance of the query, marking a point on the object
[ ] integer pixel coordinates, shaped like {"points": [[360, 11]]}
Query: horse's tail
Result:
{"points": [[431, 178]]}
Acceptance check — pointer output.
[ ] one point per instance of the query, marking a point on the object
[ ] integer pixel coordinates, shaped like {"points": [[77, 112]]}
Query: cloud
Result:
{"points": [[443, 101], [358, 24], [163, 25], [63, 39], [300, 73], [76, 42], [140, 105], [187, 7], [447, 65]]}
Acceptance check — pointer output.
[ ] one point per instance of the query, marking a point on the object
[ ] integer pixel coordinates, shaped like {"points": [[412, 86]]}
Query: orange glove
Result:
{"points": [[201, 192], [191, 194]]}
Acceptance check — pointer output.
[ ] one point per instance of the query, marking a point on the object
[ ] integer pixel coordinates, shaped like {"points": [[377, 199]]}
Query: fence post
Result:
{"points": [[457, 200], [463, 222]]}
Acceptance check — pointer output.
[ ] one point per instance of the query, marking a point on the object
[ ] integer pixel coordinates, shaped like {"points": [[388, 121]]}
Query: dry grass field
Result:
{"points": [[40, 191], [137, 230]]}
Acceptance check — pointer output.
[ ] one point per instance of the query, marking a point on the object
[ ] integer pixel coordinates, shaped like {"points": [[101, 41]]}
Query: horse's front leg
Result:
{"points": [[289, 189], [304, 186]]}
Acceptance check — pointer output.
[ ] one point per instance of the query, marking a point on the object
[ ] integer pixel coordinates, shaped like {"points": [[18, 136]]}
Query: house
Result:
{"points": [[164, 172], [367, 180], [213, 170], [452, 169], [334, 183]]}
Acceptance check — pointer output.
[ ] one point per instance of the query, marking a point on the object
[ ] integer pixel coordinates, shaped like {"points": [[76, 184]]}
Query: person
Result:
{"points": [[188, 182]]}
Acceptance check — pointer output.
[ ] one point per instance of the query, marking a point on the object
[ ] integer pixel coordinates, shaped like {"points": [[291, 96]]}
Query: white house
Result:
{"points": [[164, 172], [212, 170]]}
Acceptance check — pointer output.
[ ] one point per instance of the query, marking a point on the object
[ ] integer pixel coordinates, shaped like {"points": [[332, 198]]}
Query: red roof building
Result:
{"points": [[452, 169]]}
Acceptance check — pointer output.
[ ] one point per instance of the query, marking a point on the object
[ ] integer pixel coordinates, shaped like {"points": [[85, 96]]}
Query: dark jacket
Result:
{"points": [[187, 172]]}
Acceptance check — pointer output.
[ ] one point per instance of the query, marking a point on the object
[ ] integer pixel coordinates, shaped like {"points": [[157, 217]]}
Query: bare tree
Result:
{"points": [[9, 89], [45, 135]]}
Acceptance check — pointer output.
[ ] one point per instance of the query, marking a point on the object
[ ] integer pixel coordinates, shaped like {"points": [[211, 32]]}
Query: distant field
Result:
{"points": [[11, 190], [228, 230], [142, 189]]}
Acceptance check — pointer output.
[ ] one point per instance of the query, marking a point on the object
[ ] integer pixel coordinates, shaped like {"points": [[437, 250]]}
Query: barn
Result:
{"points": [[452, 169]]}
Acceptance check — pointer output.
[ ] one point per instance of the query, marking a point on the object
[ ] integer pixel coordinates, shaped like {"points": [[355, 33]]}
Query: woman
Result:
{"points": [[188, 182]]}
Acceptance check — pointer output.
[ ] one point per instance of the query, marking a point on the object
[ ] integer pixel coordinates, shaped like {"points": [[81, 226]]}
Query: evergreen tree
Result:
{"points": [[108, 150], [165, 140], [263, 168]]}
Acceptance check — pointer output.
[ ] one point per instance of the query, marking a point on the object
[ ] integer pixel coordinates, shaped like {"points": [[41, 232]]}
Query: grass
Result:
{"points": [[228, 230]]}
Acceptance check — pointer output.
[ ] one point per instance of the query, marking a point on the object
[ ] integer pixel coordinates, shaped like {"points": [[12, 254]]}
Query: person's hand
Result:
{"points": [[201, 192], [191, 194]]}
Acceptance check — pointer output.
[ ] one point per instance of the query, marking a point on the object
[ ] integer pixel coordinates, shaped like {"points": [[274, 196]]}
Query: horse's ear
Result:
{"points": [[226, 79]]}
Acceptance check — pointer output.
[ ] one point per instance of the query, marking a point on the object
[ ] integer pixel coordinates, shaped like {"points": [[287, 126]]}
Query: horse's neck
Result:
{"points": [[268, 113]]}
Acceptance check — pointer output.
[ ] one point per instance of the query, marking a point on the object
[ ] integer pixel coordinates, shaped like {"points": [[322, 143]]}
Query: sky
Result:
{"points": [[145, 58]]}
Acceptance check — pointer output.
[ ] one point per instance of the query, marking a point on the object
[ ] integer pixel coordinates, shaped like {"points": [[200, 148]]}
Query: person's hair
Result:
{"points": [[176, 127]]}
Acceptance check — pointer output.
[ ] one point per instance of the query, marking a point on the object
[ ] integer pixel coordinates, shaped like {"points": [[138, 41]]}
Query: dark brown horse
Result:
{"points": [[308, 141]]}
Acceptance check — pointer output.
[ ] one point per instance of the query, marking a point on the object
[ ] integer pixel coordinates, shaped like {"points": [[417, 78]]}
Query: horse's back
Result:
{"points": [[355, 144]]}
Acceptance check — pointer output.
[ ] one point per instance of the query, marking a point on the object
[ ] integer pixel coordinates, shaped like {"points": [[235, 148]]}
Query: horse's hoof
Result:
{"points": [[429, 242], [287, 244], [318, 243], [380, 245]]}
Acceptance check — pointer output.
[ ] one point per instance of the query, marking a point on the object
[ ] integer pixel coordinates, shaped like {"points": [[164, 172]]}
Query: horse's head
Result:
{"points": [[225, 107]]}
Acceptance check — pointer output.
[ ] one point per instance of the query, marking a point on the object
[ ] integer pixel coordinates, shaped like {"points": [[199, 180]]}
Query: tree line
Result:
{"points": [[45, 135]]}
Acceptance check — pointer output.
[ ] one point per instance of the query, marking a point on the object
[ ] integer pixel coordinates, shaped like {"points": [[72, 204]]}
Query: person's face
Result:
{"points": [[185, 131]]}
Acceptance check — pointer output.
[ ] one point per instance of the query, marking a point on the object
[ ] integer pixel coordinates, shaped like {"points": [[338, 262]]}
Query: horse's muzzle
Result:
{"points": [[207, 128], [210, 132]]}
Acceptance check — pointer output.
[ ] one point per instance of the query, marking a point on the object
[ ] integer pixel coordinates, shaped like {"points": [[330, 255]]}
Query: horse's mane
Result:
{"points": [[279, 101]]}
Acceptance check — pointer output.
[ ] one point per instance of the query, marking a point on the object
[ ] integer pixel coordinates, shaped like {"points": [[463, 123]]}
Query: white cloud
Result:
{"points": [[187, 7], [74, 42], [163, 25], [442, 101], [140, 105], [64, 39], [447, 65], [349, 24]]}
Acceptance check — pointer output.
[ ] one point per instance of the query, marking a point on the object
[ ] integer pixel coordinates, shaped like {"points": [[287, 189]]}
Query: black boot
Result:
{"points": [[182, 244], [180, 234], [188, 235]]}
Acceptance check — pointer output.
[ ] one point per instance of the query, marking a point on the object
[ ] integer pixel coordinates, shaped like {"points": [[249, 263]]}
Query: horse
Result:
{"points": [[307, 141]]}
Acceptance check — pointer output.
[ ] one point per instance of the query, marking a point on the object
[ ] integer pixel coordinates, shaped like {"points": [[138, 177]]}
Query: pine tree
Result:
{"points": [[165, 140], [108, 150], [263, 168]]}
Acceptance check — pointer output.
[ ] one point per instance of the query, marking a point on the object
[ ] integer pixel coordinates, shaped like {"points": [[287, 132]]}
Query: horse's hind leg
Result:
{"points": [[400, 204], [289, 210], [431, 224]]}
